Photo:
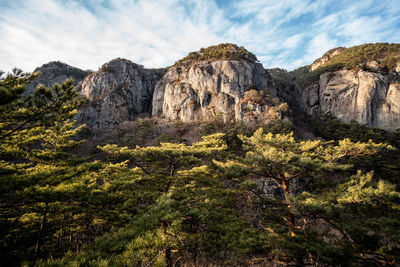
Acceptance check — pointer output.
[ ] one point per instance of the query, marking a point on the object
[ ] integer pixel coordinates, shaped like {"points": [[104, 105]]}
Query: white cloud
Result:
{"points": [[285, 33], [149, 32]]}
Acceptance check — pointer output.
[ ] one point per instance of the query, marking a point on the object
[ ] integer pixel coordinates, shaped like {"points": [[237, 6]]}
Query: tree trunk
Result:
{"points": [[291, 219], [39, 237], [167, 250]]}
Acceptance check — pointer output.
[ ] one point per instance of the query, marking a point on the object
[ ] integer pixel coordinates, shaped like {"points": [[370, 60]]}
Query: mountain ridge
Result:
{"points": [[303, 89]]}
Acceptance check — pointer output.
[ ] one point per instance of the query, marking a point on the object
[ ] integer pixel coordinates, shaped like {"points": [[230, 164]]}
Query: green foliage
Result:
{"points": [[386, 165], [283, 80], [293, 166], [106, 68], [387, 55], [43, 187], [308, 78], [143, 129], [163, 138], [363, 212], [330, 127], [218, 52], [180, 210]]}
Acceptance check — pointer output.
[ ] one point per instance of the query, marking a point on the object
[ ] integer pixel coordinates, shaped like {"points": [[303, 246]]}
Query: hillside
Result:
{"points": [[214, 161]]}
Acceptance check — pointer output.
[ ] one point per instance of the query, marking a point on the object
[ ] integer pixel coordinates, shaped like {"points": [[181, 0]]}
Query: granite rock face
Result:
{"points": [[56, 72], [205, 89], [369, 98], [120, 91]]}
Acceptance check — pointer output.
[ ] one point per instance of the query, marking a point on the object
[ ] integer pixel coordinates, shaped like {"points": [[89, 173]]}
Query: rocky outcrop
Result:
{"points": [[120, 91], [369, 98], [202, 90], [56, 72], [326, 57]]}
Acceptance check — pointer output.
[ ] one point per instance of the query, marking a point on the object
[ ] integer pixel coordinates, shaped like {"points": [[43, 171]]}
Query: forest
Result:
{"points": [[240, 196]]}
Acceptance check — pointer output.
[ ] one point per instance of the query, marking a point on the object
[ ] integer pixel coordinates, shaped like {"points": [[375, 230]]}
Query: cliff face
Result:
{"points": [[204, 89], [120, 91], [369, 98]]}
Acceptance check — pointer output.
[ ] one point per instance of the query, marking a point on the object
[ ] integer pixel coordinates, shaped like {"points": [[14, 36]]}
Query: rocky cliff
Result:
{"points": [[369, 98], [226, 81], [362, 84], [202, 89], [120, 91]]}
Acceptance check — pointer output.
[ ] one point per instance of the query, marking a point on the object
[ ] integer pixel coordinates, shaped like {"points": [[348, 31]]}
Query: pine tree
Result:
{"points": [[163, 164], [41, 183], [291, 167], [359, 211]]}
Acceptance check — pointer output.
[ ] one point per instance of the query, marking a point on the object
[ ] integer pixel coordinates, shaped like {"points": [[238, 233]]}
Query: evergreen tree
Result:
{"points": [[179, 208], [43, 189], [163, 164], [291, 167]]}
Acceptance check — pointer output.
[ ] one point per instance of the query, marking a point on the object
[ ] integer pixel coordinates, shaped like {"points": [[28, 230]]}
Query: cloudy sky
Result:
{"points": [[156, 33]]}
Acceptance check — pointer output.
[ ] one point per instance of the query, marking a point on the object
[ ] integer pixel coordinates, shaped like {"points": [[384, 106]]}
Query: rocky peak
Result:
{"points": [[120, 91], [326, 57], [56, 72], [360, 83], [201, 87]]}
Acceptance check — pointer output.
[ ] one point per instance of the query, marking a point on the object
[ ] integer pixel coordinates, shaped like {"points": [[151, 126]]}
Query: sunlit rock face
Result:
{"points": [[369, 98], [201, 90]]}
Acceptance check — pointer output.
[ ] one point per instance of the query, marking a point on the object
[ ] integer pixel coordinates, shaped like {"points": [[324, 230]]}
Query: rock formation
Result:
{"points": [[369, 98], [227, 81], [201, 90], [120, 91], [56, 72]]}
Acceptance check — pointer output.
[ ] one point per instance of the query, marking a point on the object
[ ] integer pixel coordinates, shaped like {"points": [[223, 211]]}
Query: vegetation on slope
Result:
{"points": [[387, 55], [244, 197], [218, 52], [354, 58], [385, 165]]}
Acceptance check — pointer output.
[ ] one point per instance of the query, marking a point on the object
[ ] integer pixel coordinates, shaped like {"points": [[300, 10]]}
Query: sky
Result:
{"points": [[156, 33]]}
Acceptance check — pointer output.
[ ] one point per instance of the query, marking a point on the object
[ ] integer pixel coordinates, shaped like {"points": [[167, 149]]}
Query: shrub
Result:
{"points": [[217, 52]]}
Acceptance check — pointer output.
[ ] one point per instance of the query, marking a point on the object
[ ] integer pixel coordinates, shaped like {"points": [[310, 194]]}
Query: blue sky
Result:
{"points": [[282, 33]]}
